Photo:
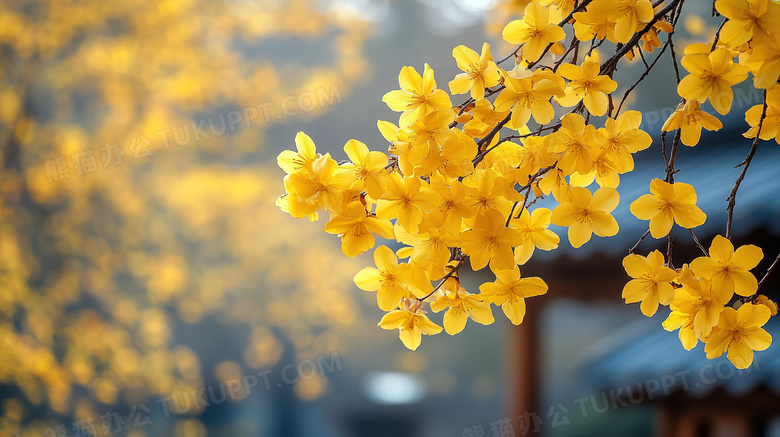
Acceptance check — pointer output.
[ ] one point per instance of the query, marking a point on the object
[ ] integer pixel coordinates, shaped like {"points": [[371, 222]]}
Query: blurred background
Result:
{"points": [[150, 287]]}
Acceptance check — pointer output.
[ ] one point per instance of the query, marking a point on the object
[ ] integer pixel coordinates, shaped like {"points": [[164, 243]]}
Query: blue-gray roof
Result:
{"points": [[643, 352]]}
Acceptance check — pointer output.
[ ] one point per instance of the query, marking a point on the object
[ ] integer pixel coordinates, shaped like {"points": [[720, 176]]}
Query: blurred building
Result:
{"points": [[628, 363], [692, 396]]}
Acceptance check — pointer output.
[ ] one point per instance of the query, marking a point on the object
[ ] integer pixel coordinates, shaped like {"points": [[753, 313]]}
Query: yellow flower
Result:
{"points": [[651, 38], [322, 186], [420, 142], [769, 303], [431, 129], [484, 117], [292, 162], [462, 306], [651, 283], [590, 25], [528, 96], [770, 128], [534, 31], [728, 268], [369, 168], [683, 322], [491, 241], [534, 155], [764, 63], [668, 203], [553, 182], [621, 137], [411, 322], [533, 228], [603, 168], [564, 6], [574, 141], [357, 229], [486, 191], [748, 19], [503, 162], [606, 173], [712, 76], [586, 85], [283, 202], [695, 308], [586, 215], [391, 281], [407, 200], [453, 207], [431, 249], [690, 119], [740, 332], [418, 95], [453, 158], [480, 71], [510, 290], [628, 15]]}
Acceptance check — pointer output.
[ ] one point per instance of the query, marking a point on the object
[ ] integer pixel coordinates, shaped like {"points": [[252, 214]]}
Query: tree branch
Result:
{"points": [[732, 199]]}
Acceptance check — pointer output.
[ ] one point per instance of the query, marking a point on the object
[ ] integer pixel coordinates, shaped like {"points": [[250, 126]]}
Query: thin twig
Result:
{"points": [[530, 134], [768, 271], [696, 240], [527, 189], [514, 53], [574, 43], [642, 56], [663, 149], [647, 232], [514, 205], [717, 35], [670, 171], [449, 274], [643, 76], [674, 59], [732, 199]]}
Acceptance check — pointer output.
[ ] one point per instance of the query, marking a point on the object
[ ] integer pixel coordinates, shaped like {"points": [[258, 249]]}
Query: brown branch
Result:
{"points": [[642, 56], [696, 240], [644, 74], [670, 171], [663, 149], [514, 53], [768, 271], [609, 66], [717, 33], [574, 43], [732, 199], [449, 274], [527, 189], [674, 59], [486, 140], [465, 105], [647, 232]]}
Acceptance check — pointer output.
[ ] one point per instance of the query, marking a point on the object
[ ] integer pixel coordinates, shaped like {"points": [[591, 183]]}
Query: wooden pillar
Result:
{"points": [[666, 421], [732, 425], [523, 366]]}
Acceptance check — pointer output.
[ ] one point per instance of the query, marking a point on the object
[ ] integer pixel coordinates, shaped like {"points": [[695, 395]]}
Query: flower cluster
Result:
{"points": [[467, 184], [751, 34], [699, 295]]}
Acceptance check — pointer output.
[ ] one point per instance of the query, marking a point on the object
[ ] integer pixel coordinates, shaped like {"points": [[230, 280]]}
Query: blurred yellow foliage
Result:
{"points": [[105, 250]]}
